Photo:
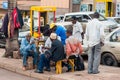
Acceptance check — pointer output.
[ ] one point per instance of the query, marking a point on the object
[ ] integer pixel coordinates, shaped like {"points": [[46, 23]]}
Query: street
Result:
{"points": [[8, 75]]}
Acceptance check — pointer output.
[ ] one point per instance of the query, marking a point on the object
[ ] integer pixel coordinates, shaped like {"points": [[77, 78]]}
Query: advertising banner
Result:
{"points": [[100, 7], [118, 10]]}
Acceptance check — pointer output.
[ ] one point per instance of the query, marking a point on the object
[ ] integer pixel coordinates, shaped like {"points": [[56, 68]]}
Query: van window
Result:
{"points": [[115, 37], [80, 18], [117, 20], [101, 18]]}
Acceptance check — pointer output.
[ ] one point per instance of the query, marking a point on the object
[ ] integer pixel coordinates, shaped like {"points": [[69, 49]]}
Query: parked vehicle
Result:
{"points": [[22, 32], [0, 23], [110, 52], [115, 19], [111, 49], [59, 18], [84, 17]]}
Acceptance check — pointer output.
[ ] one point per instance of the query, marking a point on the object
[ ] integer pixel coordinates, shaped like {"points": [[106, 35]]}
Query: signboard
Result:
{"points": [[76, 1], [84, 8], [117, 10], [5, 5], [100, 8]]}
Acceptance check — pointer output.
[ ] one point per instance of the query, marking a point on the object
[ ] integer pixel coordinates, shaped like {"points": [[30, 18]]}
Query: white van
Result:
{"points": [[84, 17]]}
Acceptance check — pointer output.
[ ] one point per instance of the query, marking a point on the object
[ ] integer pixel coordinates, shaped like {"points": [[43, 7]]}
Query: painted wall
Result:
{"points": [[57, 3]]}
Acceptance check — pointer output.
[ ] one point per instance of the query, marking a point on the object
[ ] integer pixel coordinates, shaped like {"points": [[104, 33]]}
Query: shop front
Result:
{"points": [[104, 7], [117, 10], [86, 5]]}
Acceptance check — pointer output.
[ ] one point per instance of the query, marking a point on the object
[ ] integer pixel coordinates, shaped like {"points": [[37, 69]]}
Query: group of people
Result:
{"points": [[62, 44]]}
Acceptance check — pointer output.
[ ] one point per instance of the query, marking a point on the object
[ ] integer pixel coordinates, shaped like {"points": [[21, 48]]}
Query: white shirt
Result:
{"points": [[49, 42], [77, 30], [94, 32]]}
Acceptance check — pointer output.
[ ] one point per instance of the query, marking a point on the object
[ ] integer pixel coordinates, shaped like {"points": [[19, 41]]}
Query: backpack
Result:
{"points": [[79, 63]]}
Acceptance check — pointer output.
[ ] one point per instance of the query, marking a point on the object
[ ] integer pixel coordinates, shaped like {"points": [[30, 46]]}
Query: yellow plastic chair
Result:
{"points": [[71, 62], [59, 67]]}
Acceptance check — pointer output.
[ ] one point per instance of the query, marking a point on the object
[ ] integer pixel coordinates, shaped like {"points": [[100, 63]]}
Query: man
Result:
{"points": [[49, 42], [73, 46], [28, 48], [77, 29], [60, 31], [73, 49], [95, 38]]}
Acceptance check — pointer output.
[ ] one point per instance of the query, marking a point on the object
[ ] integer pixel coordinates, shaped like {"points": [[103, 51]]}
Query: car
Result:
{"points": [[84, 17], [115, 19], [23, 32], [111, 50], [59, 18]]}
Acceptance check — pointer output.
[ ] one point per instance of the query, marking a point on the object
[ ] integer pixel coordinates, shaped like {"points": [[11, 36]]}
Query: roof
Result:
{"points": [[112, 17], [76, 13]]}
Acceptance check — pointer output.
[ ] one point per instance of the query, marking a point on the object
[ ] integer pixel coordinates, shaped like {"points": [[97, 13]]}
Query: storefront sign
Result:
{"points": [[84, 7], [5, 5], [100, 7], [118, 10], [76, 1]]}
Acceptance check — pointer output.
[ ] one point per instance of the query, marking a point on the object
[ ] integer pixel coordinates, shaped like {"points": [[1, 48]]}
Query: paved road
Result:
{"points": [[7, 75]]}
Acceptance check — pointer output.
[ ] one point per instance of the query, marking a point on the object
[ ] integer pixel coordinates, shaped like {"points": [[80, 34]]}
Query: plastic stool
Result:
{"points": [[59, 67], [71, 62]]}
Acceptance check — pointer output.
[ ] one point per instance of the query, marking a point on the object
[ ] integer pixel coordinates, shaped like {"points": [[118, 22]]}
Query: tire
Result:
{"points": [[109, 60]]}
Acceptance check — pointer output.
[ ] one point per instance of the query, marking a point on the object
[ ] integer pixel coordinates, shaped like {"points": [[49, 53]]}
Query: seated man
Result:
{"points": [[55, 53], [28, 48], [73, 48]]}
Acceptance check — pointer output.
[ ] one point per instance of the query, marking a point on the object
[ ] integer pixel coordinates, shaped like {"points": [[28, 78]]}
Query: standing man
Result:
{"points": [[77, 29], [60, 31], [95, 38]]}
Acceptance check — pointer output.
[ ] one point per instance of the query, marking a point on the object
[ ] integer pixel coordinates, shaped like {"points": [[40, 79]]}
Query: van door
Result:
{"points": [[114, 44]]}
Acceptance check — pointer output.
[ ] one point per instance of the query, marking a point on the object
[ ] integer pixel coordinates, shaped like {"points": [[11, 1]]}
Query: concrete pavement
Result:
{"points": [[15, 65], [8, 75]]}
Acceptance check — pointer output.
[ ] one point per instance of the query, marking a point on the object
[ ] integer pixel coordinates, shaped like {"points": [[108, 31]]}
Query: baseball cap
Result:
{"points": [[52, 25]]}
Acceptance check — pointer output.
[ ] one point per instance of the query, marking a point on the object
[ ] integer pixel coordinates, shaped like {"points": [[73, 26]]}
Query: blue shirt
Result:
{"points": [[60, 31], [25, 46]]}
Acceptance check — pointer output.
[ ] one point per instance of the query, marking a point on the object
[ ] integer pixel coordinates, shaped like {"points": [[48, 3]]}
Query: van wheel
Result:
{"points": [[109, 60]]}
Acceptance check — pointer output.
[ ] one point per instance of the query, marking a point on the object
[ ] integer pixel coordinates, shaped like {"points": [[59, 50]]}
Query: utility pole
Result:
{"points": [[11, 5], [11, 43]]}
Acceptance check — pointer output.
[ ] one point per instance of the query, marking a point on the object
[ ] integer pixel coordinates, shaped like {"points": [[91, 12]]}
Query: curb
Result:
{"points": [[29, 73]]}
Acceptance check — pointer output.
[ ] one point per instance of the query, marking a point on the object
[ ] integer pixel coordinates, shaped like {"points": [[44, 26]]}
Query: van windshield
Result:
{"points": [[101, 18], [80, 18]]}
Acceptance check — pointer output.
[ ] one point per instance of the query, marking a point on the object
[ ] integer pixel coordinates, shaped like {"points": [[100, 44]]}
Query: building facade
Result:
{"points": [[63, 6]]}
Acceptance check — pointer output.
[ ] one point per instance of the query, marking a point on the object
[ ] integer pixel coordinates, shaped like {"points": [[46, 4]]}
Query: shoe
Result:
{"points": [[38, 71], [47, 69], [96, 72], [34, 66], [89, 72], [69, 69]]}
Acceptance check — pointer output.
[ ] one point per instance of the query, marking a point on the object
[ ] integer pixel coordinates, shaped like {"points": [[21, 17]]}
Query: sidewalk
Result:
{"points": [[15, 65]]}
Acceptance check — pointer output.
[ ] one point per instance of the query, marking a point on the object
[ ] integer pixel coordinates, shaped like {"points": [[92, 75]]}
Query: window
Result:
{"points": [[117, 20], [80, 18], [101, 17], [115, 37]]}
